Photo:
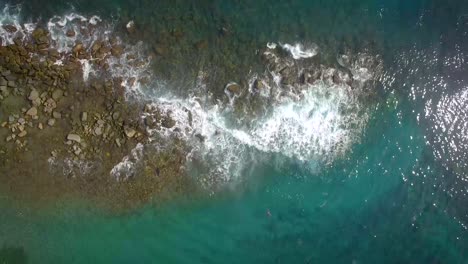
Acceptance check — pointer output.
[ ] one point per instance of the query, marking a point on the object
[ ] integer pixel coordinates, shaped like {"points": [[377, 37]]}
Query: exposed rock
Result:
{"points": [[117, 51], [4, 90], [84, 117], [40, 126], [12, 84], [96, 46], [168, 122], [32, 112], [33, 95], [50, 105], [22, 134], [71, 33], [234, 88], [51, 122], [131, 28], [98, 131], [78, 47], [74, 137], [258, 84], [10, 28], [57, 115], [38, 33], [54, 54], [117, 142], [129, 132]]}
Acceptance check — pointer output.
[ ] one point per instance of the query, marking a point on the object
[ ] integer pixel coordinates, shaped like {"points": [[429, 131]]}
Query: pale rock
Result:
{"points": [[22, 134], [57, 115], [74, 137], [98, 131], [32, 111], [51, 122], [84, 117], [33, 96], [57, 94], [129, 132]]}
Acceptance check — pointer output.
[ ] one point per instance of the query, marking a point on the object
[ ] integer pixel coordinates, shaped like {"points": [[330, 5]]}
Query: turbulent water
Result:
{"points": [[323, 132]]}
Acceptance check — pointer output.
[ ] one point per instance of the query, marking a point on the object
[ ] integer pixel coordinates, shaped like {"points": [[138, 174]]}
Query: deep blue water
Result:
{"points": [[391, 200]]}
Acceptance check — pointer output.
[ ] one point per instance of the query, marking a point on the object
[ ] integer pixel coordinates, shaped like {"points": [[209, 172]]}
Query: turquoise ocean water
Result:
{"points": [[399, 195]]}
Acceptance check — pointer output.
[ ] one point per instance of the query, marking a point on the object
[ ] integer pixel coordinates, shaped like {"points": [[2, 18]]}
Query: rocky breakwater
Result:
{"points": [[64, 131]]}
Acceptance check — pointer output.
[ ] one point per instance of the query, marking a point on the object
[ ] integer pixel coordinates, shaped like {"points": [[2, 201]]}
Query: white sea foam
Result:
{"points": [[315, 129], [10, 15], [70, 167], [128, 166], [298, 51], [131, 67]]}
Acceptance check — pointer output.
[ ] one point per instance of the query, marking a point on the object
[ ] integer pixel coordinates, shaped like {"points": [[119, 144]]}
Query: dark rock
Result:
{"points": [[168, 122], [258, 84], [129, 132], [10, 28], [78, 48], [200, 137], [54, 54], [117, 51], [234, 88], [71, 33]]}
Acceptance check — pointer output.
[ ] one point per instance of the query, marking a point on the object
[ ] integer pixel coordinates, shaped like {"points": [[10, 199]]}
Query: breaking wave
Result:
{"points": [[313, 122], [310, 113]]}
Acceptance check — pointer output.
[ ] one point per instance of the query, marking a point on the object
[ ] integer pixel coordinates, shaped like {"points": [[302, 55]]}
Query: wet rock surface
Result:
{"points": [[63, 135]]}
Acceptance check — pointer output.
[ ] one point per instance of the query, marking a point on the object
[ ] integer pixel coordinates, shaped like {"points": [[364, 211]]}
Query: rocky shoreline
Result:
{"points": [[71, 128], [63, 135]]}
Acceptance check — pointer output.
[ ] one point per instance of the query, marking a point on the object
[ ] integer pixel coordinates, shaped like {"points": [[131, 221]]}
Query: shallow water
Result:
{"points": [[398, 195]]}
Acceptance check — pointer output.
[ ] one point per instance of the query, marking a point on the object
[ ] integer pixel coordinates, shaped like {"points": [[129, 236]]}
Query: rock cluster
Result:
{"points": [[52, 94]]}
